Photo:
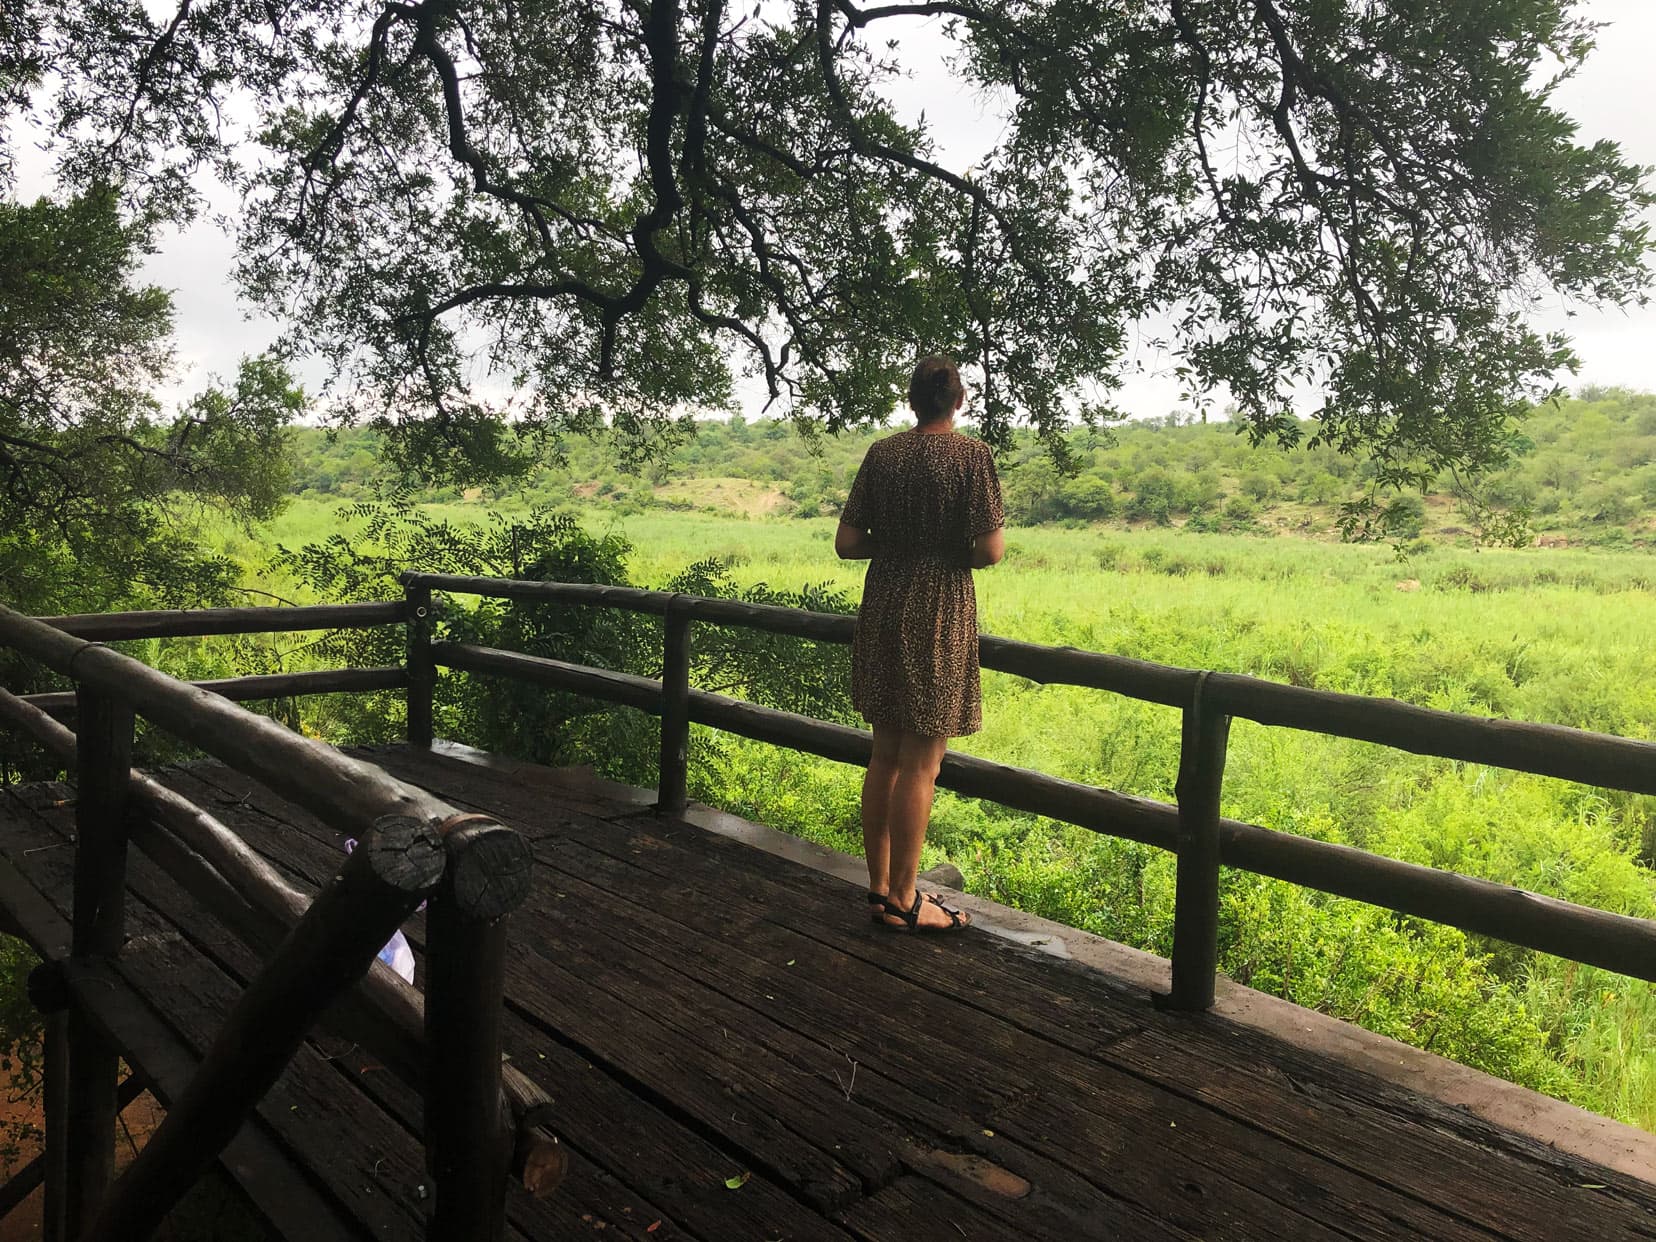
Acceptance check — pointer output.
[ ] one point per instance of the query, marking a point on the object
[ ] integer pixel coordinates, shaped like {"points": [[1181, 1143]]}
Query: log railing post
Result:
{"points": [[422, 673], [672, 796], [103, 764], [469, 1141], [1196, 897]]}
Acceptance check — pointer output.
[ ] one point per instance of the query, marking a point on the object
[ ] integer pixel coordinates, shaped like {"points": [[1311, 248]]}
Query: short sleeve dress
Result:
{"points": [[923, 496]]}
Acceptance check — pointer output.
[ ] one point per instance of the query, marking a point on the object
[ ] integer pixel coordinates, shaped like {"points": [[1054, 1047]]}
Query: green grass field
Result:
{"points": [[1540, 634]]}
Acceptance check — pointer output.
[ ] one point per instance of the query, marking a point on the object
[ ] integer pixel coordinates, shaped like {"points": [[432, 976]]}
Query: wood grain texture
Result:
{"points": [[732, 1051]]}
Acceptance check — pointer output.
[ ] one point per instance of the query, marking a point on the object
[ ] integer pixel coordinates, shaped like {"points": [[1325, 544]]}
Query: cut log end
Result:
{"points": [[491, 868], [539, 1161], [404, 853]]}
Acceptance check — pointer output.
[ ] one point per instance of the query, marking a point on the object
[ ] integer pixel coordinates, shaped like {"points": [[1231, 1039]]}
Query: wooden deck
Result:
{"points": [[736, 1054]]}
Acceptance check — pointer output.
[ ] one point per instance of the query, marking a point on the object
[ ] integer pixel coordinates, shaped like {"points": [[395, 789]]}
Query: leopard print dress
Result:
{"points": [[923, 496]]}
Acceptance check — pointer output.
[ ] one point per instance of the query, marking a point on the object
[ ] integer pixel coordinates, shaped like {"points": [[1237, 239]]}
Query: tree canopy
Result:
{"points": [[604, 209]]}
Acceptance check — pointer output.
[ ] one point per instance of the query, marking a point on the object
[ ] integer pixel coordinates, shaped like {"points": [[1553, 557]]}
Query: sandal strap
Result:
{"points": [[955, 916], [911, 916]]}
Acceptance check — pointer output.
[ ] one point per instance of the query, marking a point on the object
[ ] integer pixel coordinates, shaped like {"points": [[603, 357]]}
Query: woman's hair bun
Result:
{"points": [[935, 388]]}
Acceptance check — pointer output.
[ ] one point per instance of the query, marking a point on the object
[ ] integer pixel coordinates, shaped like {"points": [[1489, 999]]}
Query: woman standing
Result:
{"points": [[925, 510]]}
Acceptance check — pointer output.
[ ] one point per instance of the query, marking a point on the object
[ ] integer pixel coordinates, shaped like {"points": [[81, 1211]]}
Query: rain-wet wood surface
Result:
{"points": [[736, 1052]]}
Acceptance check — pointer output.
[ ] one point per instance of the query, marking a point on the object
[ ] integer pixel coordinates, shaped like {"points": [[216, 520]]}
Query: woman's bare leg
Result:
{"points": [[876, 807], [918, 759]]}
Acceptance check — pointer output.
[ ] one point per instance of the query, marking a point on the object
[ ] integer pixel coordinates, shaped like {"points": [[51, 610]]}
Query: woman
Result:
{"points": [[925, 510]]}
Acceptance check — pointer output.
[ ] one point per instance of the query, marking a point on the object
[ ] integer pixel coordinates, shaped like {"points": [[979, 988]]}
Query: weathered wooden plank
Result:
{"points": [[573, 789], [982, 971], [1513, 1185], [586, 1016], [324, 955], [935, 1069], [603, 1209], [301, 1109], [738, 1085], [612, 1198], [1395, 1134], [617, 918], [913, 1208], [587, 1203]]}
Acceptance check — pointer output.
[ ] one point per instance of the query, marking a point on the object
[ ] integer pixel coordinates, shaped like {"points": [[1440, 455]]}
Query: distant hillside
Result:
{"points": [[1585, 474]]}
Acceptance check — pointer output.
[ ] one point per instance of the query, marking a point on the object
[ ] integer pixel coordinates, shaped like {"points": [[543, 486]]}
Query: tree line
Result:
{"points": [[1582, 470]]}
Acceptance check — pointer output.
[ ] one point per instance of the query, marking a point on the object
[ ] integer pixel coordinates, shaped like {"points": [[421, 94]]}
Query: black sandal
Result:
{"points": [[876, 906], [959, 920]]}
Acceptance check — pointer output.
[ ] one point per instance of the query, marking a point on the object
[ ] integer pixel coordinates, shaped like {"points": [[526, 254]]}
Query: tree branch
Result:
{"points": [[152, 57], [427, 43]]}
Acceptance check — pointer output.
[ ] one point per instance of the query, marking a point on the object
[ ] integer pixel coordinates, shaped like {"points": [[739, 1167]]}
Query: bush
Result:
{"points": [[1089, 499], [1154, 497]]}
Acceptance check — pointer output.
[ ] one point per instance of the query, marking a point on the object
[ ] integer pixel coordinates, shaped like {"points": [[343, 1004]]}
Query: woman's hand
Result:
{"points": [[987, 549], [851, 543]]}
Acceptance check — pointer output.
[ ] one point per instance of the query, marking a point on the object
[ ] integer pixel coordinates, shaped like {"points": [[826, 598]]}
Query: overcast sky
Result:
{"points": [[1613, 97]]}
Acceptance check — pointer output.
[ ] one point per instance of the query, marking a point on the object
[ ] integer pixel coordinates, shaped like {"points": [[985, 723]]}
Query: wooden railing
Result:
{"points": [[320, 953], [407, 1031], [1193, 828]]}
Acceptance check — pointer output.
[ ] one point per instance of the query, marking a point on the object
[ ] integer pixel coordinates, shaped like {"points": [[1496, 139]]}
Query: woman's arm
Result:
{"points": [[852, 543], [988, 549]]}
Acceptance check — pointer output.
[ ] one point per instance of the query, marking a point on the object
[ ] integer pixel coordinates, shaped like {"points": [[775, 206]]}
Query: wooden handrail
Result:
{"points": [[1600, 759], [202, 622], [265, 686], [1615, 942]]}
